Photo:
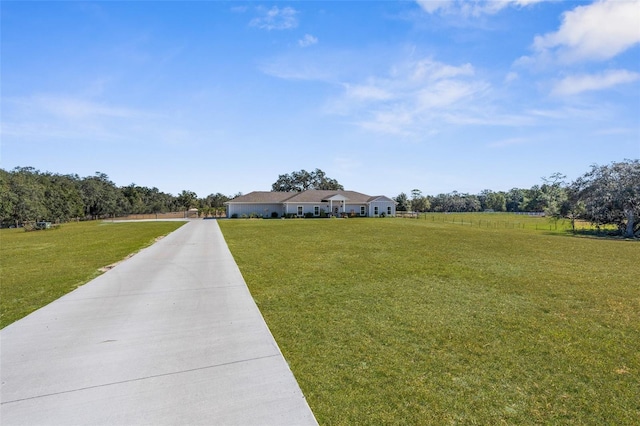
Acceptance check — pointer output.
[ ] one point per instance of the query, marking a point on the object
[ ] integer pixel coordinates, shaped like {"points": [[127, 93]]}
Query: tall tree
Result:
{"points": [[514, 199], [100, 196], [27, 196], [490, 200], [554, 195], [534, 200], [303, 180], [611, 195], [471, 203], [496, 201], [419, 203], [7, 198], [62, 197], [135, 199], [403, 202], [187, 199]]}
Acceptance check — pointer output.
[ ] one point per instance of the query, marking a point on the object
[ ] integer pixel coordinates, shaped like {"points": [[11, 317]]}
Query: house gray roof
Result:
{"points": [[262, 197], [318, 196], [309, 196]]}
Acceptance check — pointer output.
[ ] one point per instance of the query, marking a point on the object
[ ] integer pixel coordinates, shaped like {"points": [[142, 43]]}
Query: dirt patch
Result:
{"points": [[129, 256]]}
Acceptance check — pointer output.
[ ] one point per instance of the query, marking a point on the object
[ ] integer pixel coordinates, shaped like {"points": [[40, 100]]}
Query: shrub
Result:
{"points": [[234, 216], [274, 215], [308, 215]]}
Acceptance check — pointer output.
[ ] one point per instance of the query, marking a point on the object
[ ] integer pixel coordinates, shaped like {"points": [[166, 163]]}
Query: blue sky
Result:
{"points": [[384, 96]]}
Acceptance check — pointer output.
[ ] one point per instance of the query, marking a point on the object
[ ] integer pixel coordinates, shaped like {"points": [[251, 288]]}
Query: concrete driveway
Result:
{"points": [[169, 336]]}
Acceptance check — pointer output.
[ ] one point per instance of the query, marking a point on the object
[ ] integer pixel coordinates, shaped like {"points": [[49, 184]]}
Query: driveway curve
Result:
{"points": [[169, 336]]}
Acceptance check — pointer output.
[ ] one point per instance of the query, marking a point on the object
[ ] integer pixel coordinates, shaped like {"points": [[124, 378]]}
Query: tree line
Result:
{"points": [[538, 198], [28, 195], [605, 195]]}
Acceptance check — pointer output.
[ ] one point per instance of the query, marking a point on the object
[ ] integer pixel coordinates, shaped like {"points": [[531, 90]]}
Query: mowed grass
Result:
{"points": [[36, 268], [400, 321]]}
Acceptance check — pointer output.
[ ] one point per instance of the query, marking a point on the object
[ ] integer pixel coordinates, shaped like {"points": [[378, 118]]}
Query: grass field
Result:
{"points": [[39, 267], [401, 321]]}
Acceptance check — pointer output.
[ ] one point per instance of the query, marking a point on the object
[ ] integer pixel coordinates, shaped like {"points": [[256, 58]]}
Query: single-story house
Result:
{"points": [[314, 202]]}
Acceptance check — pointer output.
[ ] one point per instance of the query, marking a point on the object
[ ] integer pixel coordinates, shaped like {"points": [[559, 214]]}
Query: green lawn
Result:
{"points": [[38, 267], [425, 321]]}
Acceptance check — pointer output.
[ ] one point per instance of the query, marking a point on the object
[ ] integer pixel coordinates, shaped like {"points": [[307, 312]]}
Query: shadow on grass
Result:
{"points": [[595, 234]]}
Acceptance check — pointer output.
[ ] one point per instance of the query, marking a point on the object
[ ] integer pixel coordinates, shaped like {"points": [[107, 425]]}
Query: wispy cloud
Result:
{"points": [[617, 131], [511, 77], [472, 8], [71, 108], [576, 84], [411, 97], [47, 117], [276, 18], [594, 32], [369, 91], [307, 40], [310, 65], [303, 70], [567, 113]]}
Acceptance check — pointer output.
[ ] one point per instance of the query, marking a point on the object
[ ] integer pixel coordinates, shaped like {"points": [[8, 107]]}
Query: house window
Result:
{"points": [[300, 210], [389, 210], [363, 211], [375, 210], [316, 210]]}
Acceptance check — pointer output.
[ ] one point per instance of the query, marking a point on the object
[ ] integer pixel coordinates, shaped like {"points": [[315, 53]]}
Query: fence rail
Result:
{"points": [[172, 215]]}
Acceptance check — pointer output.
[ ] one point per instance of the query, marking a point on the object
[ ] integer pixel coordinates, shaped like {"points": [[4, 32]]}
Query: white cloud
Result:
{"points": [[575, 84], [307, 40], [395, 122], [511, 77], [414, 96], [432, 71], [310, 65], [471, 7], [283, 68], [276, 18], [431, 6], [445, 93], [572, 113], [595, 32], [367, 92], [75, 108]]}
